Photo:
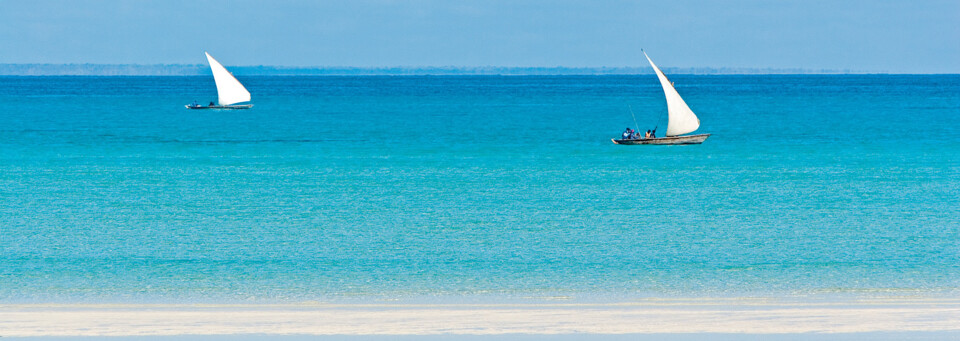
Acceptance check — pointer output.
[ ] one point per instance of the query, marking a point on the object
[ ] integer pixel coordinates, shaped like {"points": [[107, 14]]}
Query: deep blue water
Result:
{"points": [[371, 188]]}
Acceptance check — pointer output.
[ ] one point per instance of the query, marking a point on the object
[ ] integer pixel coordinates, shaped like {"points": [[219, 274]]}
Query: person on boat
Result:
{"points": [[646, 135], [653, 134], [211, 104], [195, 104], [627, 134]]}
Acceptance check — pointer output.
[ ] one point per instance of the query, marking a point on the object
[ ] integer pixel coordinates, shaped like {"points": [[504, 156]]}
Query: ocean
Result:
{"points": [[477, 188]]}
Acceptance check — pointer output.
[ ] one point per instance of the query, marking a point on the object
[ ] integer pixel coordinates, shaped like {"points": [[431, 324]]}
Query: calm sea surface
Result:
{"points": [[380, 188]]}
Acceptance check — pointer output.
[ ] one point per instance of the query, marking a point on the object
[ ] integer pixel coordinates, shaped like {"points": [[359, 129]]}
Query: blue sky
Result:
{"points": [[874, 36]]}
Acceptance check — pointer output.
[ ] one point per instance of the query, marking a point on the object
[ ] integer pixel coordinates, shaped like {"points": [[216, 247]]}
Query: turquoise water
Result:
{"points": [[372, 188]]}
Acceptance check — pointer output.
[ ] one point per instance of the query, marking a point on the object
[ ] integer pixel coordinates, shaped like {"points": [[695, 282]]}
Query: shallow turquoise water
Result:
{"points": [[371, 188]]}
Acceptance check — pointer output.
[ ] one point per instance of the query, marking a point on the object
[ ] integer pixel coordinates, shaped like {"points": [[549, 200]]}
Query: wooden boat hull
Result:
{"points": [[687, 139], [242, 106]]}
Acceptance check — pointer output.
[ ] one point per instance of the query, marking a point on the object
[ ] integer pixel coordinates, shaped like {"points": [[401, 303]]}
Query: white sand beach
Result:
{"points": [[737, 316]]}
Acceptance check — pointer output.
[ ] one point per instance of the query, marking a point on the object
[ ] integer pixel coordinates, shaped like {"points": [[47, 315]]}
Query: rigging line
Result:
{"points": [[634, 117], [658, 121]]}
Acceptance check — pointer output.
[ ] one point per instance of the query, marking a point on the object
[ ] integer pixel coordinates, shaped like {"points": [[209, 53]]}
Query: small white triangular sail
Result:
{"points": [[680, 119], [229, 89]]}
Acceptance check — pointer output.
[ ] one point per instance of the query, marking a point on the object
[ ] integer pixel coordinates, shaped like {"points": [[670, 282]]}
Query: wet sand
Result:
{"points": [[918, 318]]}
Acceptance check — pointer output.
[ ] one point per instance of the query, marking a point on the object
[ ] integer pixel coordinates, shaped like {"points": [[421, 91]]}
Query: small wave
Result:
{"points": [[242, 141]]}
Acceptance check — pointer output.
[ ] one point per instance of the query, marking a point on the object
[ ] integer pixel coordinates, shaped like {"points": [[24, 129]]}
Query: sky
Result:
{"points": [[918, 36]]}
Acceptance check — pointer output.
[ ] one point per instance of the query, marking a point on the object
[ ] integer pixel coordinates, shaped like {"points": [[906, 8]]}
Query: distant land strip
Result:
{"points": [[261, 70]]}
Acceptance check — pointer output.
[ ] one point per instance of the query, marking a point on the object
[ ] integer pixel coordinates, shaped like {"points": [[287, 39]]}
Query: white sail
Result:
{"points": [[680, 119], [229, 89]]}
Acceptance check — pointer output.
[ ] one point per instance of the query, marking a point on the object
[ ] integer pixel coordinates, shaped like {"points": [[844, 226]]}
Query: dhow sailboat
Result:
{"points": [[680, 119], [229, 90]]}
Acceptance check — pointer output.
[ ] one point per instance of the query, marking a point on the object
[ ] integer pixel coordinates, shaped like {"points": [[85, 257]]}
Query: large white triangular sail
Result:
{"points": [[680, 119], [229, 89]]}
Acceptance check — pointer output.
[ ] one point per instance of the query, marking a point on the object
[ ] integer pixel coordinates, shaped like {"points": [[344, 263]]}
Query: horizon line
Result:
{"points": [[101, 69]]}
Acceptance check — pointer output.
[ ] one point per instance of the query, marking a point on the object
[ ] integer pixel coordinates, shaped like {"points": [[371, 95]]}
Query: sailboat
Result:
{"points": [[229, 90], [680, 119]]}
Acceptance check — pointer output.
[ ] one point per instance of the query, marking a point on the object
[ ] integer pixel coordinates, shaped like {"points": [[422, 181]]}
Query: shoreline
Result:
{"points": [[646, 317]]}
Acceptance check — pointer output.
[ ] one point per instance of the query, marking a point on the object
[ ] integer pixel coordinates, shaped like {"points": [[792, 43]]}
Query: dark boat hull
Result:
{"points": [[687, 139], [242, 106]]}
